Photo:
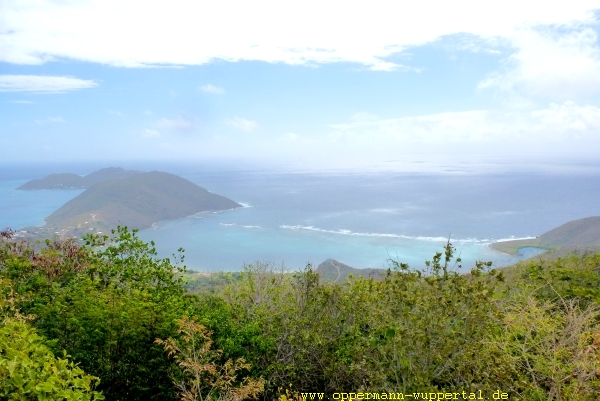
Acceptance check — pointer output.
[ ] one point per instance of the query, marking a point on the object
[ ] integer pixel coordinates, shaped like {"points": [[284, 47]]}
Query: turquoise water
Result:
{"points": [[361, 220], [214, 242], [530, 251], [29, 208], [365, 219]]}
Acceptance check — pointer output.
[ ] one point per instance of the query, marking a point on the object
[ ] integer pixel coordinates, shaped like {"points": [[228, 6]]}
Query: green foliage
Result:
{"points": [[202, 379], [104, 303], [570, 277], [430, 329], [290, 315], [28, 369], [208, 283], [426, 331], [552, 325], [532, 330], [554, 348]]}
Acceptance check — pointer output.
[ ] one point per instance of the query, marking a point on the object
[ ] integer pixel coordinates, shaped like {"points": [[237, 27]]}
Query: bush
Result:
{"points": [[28, 369], [201, 378]]}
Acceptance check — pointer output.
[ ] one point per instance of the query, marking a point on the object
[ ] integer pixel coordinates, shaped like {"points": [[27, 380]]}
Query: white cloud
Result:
{"points": [[149, 133], [561, 66], [42, 83], [472, 43], [559, 122], [179, 124], [148, 112], [242, 124], [307, 32], [215, 90]]}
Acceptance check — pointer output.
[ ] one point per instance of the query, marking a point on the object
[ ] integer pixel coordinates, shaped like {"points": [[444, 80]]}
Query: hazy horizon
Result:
{"points": [[468, 92], [301, 86], [361, 219]]}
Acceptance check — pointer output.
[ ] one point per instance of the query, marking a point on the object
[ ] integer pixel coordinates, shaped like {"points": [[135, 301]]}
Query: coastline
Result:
{"points": [[513, 248], [496, 250]]}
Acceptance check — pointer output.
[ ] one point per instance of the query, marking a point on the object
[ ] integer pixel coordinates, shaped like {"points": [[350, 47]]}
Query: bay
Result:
{"points": [[360, 219]]}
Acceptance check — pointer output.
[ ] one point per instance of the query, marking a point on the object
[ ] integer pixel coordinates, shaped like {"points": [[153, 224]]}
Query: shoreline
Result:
{"points": [[516, 248], [495, 250]]}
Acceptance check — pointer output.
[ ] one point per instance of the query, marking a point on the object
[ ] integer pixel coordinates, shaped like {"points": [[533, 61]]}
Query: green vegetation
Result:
{"points": [[202, 378], [203, 283], [117, 312], [74, 181], [28, 369], [137, 201], [575, 236]]}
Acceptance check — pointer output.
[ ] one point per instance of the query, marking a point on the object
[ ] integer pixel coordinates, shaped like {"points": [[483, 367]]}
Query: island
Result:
{"points": [[333, 271], [74, 181], [580, 235], [138, 201]]}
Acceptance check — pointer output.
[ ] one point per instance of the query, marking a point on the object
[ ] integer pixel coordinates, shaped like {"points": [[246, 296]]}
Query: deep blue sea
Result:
{"points": [[360, 219]]}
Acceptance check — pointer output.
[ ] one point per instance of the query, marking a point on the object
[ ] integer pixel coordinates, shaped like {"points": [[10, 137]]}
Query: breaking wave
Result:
{"points": [[513, 239], [400, 236], [238, 225]]}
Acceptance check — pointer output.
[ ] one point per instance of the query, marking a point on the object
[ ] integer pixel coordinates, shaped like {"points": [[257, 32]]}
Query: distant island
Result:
{"points": [[577, 235], [137, 201], [74, 181], [332, 270]]}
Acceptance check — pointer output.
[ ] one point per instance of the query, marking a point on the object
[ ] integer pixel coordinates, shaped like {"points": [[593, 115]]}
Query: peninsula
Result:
{"points": [[577, 235], [137, 201], [74, 181]]}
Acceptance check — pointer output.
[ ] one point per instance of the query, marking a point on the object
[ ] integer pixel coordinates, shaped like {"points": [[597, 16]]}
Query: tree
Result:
{"points": [[104, 303], [202, 379]]}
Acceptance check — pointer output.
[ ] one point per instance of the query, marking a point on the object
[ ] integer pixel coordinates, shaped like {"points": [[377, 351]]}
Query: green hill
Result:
{"points": [[332, 270], [137, 201], [74, 181], [577, 235]]}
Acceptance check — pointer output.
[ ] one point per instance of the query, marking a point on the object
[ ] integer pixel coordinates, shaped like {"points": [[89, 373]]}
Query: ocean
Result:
{"points": [[360, 219]]}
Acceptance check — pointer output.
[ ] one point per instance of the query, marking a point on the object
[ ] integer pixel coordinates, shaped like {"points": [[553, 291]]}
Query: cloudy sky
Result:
{"points": [[300, 83]]}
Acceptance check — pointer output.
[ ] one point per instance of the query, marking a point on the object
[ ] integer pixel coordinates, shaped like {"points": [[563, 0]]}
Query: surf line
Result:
{"points": [[382, 235]]}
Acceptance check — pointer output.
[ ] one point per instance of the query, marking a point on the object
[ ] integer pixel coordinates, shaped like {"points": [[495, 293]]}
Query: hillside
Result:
{"points": [[332, 270], [137, 201], [577, 235], [74, 181]]}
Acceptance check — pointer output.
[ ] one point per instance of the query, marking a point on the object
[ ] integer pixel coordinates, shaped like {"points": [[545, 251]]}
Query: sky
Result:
{"points": [[300, 84]]}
